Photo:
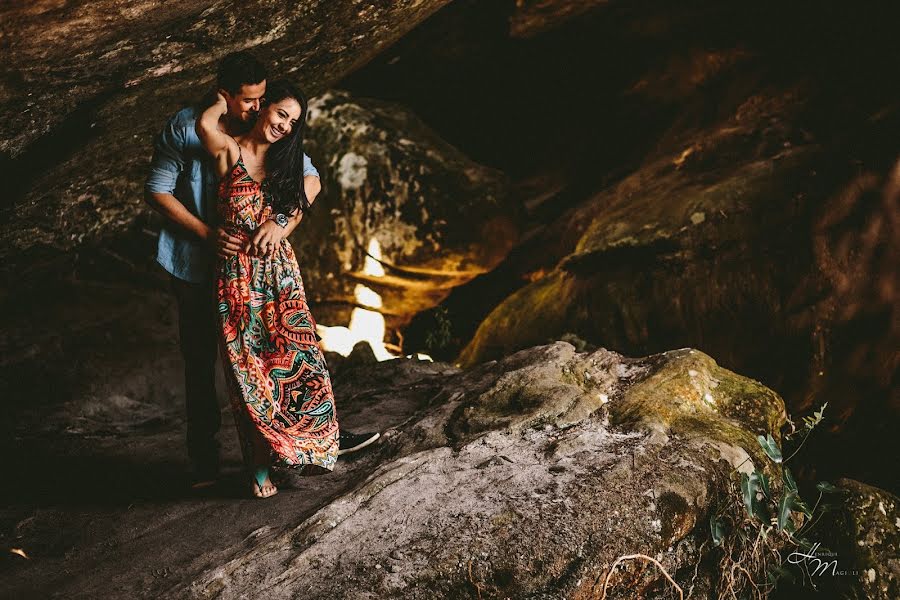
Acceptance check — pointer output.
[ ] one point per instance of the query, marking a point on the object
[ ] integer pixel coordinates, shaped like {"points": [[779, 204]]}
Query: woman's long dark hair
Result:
{"points": [[283, 186]]}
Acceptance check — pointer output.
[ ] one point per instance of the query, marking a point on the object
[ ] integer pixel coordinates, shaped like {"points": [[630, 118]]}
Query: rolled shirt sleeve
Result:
{"points": [[168, 160], [308, 168], [178, 168]]}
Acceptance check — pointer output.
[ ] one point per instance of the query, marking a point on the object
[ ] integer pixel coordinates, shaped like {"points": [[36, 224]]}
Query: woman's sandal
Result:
{"points": [[260, 474]]}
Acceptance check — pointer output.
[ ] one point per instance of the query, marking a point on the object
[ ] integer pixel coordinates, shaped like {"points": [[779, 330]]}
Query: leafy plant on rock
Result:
{"points": [[764, 520]]}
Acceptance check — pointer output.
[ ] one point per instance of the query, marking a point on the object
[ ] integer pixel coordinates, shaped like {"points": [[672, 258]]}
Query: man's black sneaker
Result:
{"points": [[351, 442]]}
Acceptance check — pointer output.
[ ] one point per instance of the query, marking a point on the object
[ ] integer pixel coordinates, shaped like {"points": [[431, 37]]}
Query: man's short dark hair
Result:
{"points": [[237, 69]]}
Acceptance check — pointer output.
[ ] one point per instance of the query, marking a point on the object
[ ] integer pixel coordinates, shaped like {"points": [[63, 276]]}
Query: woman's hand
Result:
{"points": [[266, 239]]}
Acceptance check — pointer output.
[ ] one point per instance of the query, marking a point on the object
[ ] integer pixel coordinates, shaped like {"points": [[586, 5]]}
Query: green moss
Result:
{"points": [[690, 395]]}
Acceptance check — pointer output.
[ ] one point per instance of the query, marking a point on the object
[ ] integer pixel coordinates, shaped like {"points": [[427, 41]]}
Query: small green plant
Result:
{"points": [[766, 518], [807, 425], [439, 336]]}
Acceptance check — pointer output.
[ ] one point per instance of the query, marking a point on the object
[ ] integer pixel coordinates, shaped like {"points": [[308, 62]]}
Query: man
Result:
{"points": [[182, 187]]}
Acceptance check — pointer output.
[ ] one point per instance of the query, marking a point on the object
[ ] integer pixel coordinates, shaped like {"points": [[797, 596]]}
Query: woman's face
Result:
{"points": [[278, 119]]}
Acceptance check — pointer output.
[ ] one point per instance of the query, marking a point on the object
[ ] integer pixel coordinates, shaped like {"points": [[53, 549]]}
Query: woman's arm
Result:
{"points": [[222, 147]]}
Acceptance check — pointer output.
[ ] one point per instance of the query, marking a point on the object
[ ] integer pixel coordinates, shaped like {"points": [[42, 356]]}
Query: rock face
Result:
{"points": [[86, 86], [748, 239], [863, 535], [126, 45], [526, 477], [436, 219], [664, 250], [533, 17], [104, 361]]}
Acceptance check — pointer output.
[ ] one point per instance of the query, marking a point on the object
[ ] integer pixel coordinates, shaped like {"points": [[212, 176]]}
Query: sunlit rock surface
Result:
{"points": [[523, 478]]}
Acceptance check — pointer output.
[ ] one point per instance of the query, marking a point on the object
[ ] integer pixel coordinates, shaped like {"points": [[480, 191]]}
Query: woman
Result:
{"points": [[280, 388]]}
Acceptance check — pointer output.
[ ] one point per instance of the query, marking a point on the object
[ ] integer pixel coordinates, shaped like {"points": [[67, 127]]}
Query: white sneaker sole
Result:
{"points": [[360, 446]]}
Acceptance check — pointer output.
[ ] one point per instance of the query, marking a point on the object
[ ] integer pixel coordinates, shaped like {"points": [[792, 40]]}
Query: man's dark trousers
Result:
{"points": [[198, 336]]}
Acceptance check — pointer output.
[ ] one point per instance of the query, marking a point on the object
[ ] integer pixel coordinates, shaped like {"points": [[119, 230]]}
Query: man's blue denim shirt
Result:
{"points": [[181, 167]]}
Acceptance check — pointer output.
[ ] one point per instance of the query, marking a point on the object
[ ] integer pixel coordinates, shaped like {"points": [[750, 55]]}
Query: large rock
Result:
{"points": [[663, 251], [85, 86], [749, 239], [862, 534], [527, 477], [437, 218]]}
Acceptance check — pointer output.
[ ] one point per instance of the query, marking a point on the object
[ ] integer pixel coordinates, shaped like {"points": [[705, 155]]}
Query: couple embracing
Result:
{"points": [[232, 181]]}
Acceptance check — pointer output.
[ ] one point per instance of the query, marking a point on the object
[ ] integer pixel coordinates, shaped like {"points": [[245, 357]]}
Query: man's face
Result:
{"points": [[244, 105]]}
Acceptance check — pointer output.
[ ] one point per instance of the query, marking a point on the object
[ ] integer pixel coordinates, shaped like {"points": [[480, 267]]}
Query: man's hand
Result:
{"points": [[266, 239], [226, 244]]}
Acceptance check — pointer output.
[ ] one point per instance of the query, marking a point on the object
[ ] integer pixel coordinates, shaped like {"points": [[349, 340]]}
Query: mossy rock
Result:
{"points": [[689, 395]]}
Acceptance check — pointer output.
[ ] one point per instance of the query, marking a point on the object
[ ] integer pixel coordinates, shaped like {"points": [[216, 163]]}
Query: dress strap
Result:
{"points": [[240, 154], [240, 160]]}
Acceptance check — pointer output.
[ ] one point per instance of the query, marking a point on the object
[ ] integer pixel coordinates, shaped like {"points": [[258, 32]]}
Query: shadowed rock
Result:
{"points": [[533, 17], [860, 542], [666, 247]]}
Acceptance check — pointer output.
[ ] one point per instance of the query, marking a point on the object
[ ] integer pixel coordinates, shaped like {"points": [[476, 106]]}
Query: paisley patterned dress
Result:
{"points": [[280, 386]]}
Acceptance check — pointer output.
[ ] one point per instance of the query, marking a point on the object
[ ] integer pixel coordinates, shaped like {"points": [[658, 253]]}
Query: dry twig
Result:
{"points": [[640, 557], [472, 581]]}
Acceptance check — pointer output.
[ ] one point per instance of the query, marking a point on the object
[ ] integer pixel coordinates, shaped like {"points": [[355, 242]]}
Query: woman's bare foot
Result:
{"points": [[261, 485]]}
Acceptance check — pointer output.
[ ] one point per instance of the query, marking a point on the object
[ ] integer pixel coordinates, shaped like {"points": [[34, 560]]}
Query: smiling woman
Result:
{"points": [[282, 121], [280, 388]]}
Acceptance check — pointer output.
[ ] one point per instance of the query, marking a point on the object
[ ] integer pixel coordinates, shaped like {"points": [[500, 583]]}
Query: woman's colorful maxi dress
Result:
{"points": [[280, 385]]}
